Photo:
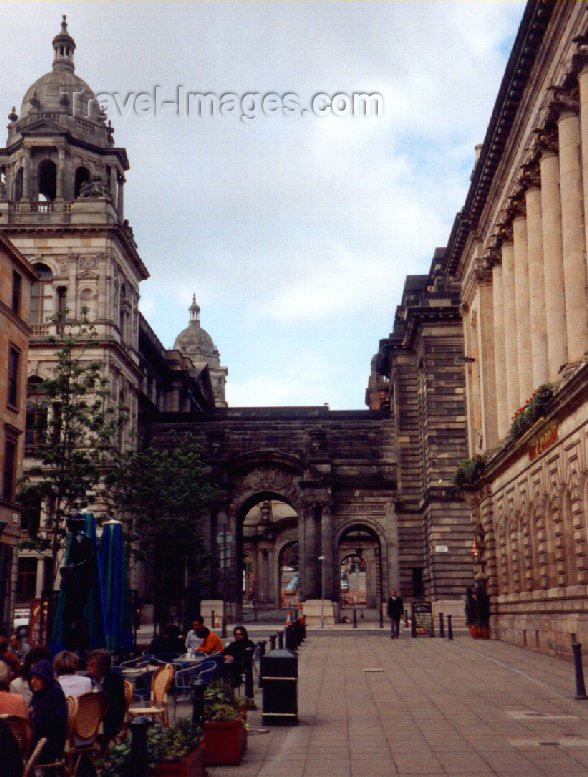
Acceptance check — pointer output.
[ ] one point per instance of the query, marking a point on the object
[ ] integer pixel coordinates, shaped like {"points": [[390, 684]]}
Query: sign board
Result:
{"points": [[38, 622], [542, 442], [422, 619], [441, 549]]}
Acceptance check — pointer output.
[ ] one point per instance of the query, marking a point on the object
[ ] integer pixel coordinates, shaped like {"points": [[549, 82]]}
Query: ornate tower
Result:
{"points": [[62, 204], [195, 343]]}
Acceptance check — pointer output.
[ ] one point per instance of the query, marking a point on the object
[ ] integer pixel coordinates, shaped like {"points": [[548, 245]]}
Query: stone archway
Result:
{"points": [[361, 565]]}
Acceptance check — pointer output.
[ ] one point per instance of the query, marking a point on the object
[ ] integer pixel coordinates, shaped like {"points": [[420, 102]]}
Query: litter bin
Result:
{"points": [[279, 678]]}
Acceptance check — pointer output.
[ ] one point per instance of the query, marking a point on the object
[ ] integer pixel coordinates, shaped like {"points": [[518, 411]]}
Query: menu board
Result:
{"points": [[422, 619]]}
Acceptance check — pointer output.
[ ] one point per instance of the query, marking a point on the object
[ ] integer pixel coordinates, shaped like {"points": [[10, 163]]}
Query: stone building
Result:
{"points": [[518, 249], [16, 277], [422, 361], [62, 206]]}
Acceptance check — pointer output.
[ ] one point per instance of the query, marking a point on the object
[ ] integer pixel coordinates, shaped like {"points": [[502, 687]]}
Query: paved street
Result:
{"points": [[372, 707]]}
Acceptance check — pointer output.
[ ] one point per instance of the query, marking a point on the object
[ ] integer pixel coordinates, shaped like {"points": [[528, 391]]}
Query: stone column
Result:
{"points": [[120, 204], [499, 358], [26, 175], [510, 329], [327, 550], [536, 286], [302, 586], [555, 309], [572, 230], [523, 310], [60, 179], [310, 552], [583, 81]]}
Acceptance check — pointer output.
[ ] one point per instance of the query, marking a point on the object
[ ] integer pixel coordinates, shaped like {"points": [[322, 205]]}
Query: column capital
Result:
{"points": [[492, 256], [529, 175], [579, 58], [546, 139], [483, 269], [563, 101]]}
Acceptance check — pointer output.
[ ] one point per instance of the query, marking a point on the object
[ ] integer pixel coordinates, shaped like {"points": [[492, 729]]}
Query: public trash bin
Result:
{"points": [[279, 676]]}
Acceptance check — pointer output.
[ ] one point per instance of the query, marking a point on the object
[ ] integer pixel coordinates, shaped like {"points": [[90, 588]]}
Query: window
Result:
{"points": [[13, 369], [82, 177], [9, 470], [47, 180], [26, 581], [36, 421], [41, 294], [61, 305], [16, 291]]}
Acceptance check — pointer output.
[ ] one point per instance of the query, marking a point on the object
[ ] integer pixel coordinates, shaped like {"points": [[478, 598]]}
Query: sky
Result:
{"points": [[295, 231]]}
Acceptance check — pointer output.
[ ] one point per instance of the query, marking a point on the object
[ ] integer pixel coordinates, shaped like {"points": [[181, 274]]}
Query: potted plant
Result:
{"points": [[177, 751], [225, 733]]}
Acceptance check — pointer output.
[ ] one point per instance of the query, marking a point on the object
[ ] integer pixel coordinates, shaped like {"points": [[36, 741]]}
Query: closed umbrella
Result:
{"points": [[116, 595]]}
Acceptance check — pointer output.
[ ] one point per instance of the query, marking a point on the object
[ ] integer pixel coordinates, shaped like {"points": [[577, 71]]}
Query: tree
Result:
{"points": [[162, 493], [75, 437]]}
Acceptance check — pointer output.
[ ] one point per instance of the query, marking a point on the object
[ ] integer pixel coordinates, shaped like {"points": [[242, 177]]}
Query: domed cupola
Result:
{"points": [[63, 46], [195, 343]]}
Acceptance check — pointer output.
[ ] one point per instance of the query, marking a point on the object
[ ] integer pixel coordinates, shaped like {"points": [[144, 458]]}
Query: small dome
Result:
{"points": [[195, 342], [49, 91]]}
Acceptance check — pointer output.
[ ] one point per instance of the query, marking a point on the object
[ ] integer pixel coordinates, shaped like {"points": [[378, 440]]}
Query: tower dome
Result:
{"points": [[64, 97], [195, 343]]}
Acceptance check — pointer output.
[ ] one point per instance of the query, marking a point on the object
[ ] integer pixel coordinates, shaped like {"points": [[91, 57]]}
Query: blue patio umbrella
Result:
{"points": [[116, 595], [93, 610]]}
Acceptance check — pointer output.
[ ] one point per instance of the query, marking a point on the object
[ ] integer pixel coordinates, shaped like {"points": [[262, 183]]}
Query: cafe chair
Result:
{"points": [[160, 685], [22, 732], [82, 739]]}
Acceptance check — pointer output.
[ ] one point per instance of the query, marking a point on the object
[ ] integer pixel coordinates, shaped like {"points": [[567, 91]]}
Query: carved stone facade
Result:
{"points": [[518, 248]]}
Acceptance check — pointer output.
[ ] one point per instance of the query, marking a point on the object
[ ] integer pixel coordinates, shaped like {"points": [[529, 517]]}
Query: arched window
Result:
{"points": [[18, 184], [82, 176], [41, 294], [47, 180]]}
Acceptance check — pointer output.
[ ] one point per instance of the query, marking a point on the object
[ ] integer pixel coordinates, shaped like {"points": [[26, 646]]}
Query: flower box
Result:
{"points": [[190, 766], [224, 741]]}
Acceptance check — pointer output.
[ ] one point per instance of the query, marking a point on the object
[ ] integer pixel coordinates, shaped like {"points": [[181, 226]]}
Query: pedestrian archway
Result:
{"points": [[360, 568]]}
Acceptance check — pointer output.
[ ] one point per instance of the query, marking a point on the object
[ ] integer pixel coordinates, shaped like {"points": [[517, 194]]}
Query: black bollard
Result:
{"points": [[272, 641], [281, 639], [138, 756], [406, 619], [441, 625], [381, 615], [354, 618], [249, 690], [580, 687], [224, 627], [212, 619], [197, 703], [261, 644], [449, 628]]}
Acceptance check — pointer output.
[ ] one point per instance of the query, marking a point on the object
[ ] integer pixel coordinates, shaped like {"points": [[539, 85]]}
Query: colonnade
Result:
{"points": [[539, 274]]}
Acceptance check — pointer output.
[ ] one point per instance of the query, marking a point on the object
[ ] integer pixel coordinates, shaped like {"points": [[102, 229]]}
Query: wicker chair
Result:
{"points": [[33, 761], [22, 731], [160, 685], [82, 738]]}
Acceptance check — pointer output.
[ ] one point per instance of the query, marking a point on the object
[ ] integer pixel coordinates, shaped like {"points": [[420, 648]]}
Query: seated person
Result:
{"points": [[103, 679], [47, 711], [65, 665], [237, 655], [192, 640], [8, 656], [20, 684], [10, 703], [209, 644], [168, 642]]}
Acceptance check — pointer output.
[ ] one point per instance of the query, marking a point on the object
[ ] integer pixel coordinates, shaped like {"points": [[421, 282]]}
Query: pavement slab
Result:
{"points": [[373, 707]]}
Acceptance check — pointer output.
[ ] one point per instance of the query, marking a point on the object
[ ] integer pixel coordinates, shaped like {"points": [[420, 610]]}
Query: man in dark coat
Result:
{"points": [[47, 711], [103, 679], [395, 612]]}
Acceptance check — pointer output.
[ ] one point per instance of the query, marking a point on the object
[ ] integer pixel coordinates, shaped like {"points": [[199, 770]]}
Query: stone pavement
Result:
{"points": [[373, 707]]}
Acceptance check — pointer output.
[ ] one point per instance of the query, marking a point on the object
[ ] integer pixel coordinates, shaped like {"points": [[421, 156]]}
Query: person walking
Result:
{"points": [[395, 612]]}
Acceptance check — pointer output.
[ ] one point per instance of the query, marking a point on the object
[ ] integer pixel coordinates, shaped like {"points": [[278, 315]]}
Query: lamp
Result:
{"points": [[475, 551], [265, 512]]}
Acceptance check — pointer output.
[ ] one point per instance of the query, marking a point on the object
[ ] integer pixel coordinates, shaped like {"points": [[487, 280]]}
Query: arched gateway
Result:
{"points": [[295, 482]]}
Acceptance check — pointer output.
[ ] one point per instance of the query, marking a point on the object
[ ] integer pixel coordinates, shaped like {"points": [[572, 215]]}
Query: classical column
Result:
{"points": [[302, 585], [59, 181], [310, 552], [583, 81], [536, 286], [499, 357], [120, 204], [572, 229], [26, 175], [510, 329], [327, 550], [523, 310], [555, 306]]}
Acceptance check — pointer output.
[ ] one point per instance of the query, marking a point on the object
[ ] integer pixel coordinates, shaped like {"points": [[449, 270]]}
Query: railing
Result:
{"points": [[40, 329]]}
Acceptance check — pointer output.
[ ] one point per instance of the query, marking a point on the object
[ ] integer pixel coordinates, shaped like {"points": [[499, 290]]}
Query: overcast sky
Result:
{"points": [[295, 232]]}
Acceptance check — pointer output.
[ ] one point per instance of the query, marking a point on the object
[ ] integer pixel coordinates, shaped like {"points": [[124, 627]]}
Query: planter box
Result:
{"points": [[190, 766], [224, 742]]}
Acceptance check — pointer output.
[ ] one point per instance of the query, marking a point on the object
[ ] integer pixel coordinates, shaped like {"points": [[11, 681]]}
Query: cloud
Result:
{"points": [[289, 230]]}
